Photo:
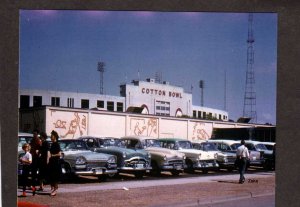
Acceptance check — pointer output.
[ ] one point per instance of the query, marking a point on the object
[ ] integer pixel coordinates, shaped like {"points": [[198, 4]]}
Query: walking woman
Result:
{"points": [[44, 155], [54, 163]]}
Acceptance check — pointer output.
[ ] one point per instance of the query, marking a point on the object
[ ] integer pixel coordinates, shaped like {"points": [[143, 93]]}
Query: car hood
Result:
{"points": [[120, 150], [88, 155], [164, 152], [196, 153]]}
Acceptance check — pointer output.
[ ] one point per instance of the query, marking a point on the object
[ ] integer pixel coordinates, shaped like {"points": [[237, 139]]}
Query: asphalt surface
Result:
{"points": [[187, 190], [129, 184]]}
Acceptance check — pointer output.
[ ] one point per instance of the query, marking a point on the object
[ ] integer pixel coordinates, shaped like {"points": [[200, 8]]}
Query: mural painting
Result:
{"points": [[200, 132], [144, 126], [71, 127]]}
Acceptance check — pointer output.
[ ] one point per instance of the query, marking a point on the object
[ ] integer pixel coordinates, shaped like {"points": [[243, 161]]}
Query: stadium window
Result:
{"points": [[119, 106], [37, 101], [194, 113], [71, 102], [110, 106], [199, 114], [85, 103], [100, 104], [24, 101], [55, 101]]}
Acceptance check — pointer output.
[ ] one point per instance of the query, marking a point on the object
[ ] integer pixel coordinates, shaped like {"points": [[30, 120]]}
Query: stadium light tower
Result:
{"points": [[101, 70], [201, 86]]}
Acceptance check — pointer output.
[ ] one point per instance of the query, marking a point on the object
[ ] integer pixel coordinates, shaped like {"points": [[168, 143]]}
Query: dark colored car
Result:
{"points": [[130, 158]]}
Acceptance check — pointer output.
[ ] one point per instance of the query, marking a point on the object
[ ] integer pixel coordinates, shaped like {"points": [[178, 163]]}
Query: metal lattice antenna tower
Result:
{"points": [[101, 70], [250, 95]]}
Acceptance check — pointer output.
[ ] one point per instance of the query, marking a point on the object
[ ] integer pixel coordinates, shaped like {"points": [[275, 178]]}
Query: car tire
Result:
{"points": [[175, 172], [204, 171], [139, 174], [155, 169], [189, 168], [102, 178]]}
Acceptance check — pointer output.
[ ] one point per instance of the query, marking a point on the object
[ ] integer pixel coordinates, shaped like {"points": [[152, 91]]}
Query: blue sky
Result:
{"points": [[59, 50]]}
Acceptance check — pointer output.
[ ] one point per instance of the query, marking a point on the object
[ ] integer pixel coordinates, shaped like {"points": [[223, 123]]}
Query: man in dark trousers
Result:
{"points": [[242, 155]]}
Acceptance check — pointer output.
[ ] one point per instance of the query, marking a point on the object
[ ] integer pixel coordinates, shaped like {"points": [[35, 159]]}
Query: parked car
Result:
{"points": [[269, 145], [77, 159], [130, 159], [195, 159], [225, 159], [255, 158], [271, 159], [23, 139], [162, 159], [262, 149]]}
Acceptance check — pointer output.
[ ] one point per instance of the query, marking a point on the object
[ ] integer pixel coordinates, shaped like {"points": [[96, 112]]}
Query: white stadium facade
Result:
{"points": [[145, 97]]}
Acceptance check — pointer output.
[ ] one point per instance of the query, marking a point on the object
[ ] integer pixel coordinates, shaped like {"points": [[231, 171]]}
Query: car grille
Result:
{"points": [[134, 162], [95, 164], [208, 161], [176, 162], [231, 159]]}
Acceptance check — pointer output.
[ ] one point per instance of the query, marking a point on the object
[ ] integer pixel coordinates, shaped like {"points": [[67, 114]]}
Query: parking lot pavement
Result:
{"points": [[155, 192], [159, 182]]}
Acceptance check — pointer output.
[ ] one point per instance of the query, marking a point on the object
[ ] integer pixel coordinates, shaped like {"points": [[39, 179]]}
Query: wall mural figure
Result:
{"points": [[152, 126], [199, 133], [76, 125], [143, 127], [139, 130]]}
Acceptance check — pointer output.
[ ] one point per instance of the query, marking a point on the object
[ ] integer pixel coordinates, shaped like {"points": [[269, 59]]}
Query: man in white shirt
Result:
{"points": [[242, 154]]}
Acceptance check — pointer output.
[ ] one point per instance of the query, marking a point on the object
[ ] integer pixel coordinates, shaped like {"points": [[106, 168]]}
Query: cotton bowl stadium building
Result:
{"points": [[145, 97], [143, 108]]}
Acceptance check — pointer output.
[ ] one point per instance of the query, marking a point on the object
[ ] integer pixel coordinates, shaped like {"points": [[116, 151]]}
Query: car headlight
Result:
{"points": [[111, 160], [149, 155], [165, 157], [124, 155], [184, 157], [216, 155], [80, 161]]}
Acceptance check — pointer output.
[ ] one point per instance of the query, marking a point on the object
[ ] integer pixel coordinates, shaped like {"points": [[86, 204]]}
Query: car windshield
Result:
{"points": [[208, 147], [235, 146], [110, 142], [23, 140], [260, 147], [72, 145], [152, 143], [130, 143], [184, 145], [269, 146]]}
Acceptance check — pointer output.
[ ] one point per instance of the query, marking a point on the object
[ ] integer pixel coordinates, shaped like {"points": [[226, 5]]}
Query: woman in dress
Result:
{"points": [[54, 163], [44, 155]]}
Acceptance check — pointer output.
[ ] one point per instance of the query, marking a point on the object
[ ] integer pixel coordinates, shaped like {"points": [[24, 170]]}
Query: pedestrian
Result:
{"points": [[35, 145], [242, 155], [44, 155], [26, 160], [54, 163]]}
